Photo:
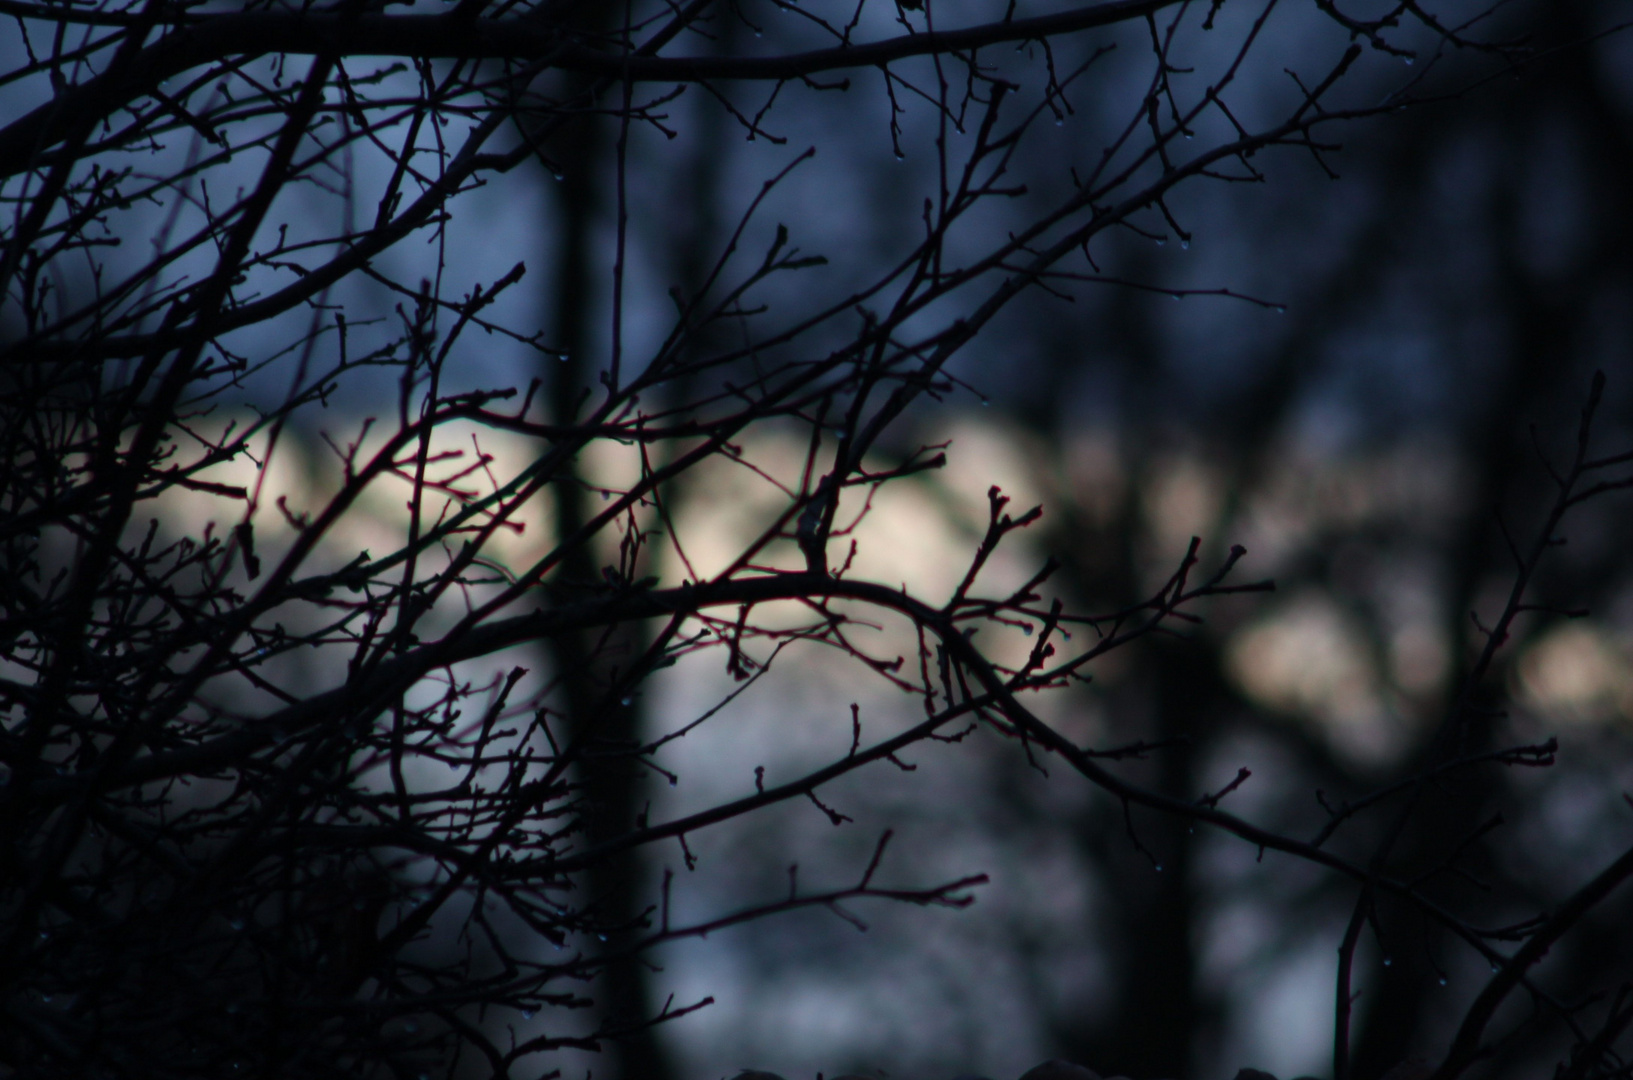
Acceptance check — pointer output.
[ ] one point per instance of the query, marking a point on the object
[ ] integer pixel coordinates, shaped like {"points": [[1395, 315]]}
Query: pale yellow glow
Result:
{"points": [[1578, 673], [1309, 658]]}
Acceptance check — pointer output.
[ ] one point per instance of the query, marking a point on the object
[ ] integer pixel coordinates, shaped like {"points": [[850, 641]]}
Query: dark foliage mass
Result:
{"points": [[346, 583]]}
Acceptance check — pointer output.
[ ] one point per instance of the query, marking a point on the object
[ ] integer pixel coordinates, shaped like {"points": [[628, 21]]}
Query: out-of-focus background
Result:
{"points": [[1436, 310], [1447, 298]]}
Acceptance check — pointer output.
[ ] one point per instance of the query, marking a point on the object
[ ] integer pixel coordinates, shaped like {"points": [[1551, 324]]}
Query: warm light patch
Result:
{"points": [[305, 471], [1310, 659], [1181, 498], [1577, 673], [1418, 658]]}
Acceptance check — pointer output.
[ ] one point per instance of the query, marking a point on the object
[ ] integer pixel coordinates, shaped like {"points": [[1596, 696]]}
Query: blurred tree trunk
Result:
{"points": [[1158, 1009], [1176, 696], [1530, 375], [587, 666]]}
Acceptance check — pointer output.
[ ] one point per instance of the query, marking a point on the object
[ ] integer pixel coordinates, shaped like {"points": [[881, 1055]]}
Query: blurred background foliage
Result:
{"points": [[1447, 299]]}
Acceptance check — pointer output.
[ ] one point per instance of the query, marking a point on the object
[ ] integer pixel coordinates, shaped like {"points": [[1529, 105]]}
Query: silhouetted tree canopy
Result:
{"points": [[479, 481]]}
